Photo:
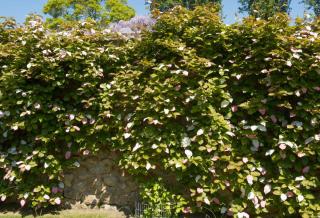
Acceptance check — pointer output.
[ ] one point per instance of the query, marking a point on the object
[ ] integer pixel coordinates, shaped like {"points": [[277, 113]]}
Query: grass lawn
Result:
{"points": [[74, 213]]}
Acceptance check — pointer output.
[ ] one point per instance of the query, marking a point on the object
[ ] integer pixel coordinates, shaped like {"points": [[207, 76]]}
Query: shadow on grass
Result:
{"points": [[14, 211]]}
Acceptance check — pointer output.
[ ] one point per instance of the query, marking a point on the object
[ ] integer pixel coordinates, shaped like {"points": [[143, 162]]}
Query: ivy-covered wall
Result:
{"points": [[202, 113]]}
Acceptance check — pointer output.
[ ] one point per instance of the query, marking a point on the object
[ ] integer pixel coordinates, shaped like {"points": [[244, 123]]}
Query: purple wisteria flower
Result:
{"points": [[134, 26]]}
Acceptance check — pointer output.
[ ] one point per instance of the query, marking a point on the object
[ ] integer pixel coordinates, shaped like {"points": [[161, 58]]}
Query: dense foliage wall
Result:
{"points": [[204, 114], [50, 85]]}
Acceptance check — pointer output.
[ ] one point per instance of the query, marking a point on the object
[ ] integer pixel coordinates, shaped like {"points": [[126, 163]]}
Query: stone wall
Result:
{"points": [[99, 182]]}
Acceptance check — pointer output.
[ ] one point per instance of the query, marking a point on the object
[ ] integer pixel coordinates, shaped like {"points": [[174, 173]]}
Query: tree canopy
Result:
{"points": [[256, 8], [102, 11], [264, 8], [315, 5], [164, 5]]}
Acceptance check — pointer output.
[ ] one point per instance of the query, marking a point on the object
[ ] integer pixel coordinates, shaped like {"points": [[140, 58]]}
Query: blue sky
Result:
{"points": [[19, 9]]}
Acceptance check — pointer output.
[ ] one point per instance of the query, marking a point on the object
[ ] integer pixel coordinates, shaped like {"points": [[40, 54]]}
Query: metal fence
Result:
{"points": [[145, 210]]}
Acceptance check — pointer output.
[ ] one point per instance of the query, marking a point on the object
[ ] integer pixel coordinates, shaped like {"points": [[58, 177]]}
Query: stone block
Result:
{"points": [[91, 200], [108, 163], [110, 180], [98, 169], [68, 180], [80, 186]]}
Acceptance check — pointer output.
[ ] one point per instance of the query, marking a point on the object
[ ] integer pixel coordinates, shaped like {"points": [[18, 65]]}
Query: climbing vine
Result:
{"points": [[211, 115]]}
